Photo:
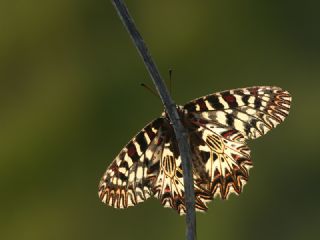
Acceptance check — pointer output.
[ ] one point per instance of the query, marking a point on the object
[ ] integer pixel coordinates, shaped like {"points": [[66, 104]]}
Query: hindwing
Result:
{"points": [[218, 126], [225, 159], [169, 186]]}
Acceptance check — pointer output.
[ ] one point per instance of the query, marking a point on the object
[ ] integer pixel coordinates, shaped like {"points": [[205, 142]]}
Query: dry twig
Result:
{"points": [[170, 106]]}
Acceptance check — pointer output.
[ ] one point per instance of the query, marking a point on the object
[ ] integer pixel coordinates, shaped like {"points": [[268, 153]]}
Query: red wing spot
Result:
{"points": [[228, 133], [159, 141], [229, 98], [114, 167], [254, 91], [132, 150], [150, 133], [167, 189], [235, 157], [216, 173], [202, 105]]}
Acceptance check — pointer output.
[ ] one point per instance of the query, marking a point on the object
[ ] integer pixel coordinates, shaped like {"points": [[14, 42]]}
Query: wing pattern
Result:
{"points": [[218, 125], [252, 111], [169, 187], [225, 157], [127, 180]]}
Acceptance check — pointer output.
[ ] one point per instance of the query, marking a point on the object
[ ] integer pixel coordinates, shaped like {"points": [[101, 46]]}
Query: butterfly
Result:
{"points": [[218, 127]]}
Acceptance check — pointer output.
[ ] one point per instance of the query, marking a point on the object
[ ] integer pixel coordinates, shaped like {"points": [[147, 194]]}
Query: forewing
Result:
{"points": [[127, 180], [252, 111]]}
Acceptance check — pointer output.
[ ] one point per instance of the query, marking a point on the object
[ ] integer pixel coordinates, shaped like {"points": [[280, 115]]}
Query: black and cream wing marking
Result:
{"points": [[252, 111], [150, 165], [224, 121], [168, 186], [225, 159], [127, 181], [218, 125]]}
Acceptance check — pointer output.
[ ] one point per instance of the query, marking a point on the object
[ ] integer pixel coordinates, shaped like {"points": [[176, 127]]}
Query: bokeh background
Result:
{"points": [[70, 100]]}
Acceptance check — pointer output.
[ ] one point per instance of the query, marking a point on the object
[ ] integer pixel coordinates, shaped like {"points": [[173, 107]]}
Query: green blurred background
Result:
{"points": [[70, 100]]}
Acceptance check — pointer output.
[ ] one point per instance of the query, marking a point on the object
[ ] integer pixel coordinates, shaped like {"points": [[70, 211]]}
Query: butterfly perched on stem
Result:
{"points": [[218, 126]]}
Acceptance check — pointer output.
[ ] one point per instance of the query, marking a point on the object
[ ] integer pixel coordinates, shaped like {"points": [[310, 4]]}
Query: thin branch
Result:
{"points": [[170, 106]]}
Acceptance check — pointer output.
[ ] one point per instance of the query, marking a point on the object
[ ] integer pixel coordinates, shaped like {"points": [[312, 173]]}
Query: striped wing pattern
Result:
{"points": [[150, 164], [252, 111], [219, 125], [169, 187], [128, 179], [226, 160]]}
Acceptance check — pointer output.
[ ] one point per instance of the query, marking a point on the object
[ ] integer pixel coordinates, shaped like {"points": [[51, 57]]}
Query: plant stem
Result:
{"points": [[170, 106]]}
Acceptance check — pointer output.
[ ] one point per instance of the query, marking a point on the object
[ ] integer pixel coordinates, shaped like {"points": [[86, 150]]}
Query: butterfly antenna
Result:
{"points": [[149, 89]]}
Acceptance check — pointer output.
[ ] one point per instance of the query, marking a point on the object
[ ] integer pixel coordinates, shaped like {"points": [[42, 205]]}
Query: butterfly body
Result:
{"points": [[218, 126]]}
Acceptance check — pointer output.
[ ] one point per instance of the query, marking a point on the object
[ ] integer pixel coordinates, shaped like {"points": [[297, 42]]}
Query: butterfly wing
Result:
{"points": [[218, 125], [221, 123], [150, 164], [127, 181], [225, 159], [252, 111], [168, 186]]}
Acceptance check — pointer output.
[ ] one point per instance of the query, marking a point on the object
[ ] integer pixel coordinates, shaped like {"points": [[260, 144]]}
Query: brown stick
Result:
{"points": [[170, 106]]}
